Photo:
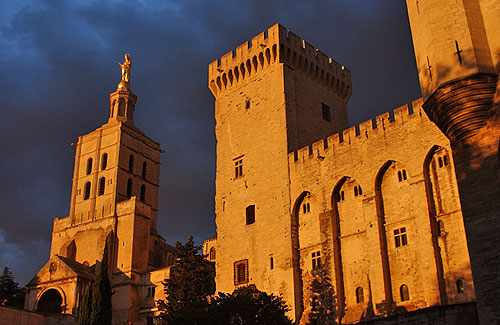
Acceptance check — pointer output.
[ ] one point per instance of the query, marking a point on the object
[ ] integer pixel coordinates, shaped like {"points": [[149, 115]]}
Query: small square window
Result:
{"points": [[326, 112], [241, 272], [316, 260], [400, 238], [238, 168]]}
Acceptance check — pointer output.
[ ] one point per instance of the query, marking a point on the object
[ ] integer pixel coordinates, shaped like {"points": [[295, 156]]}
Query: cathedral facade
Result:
{"points": [[397, 210]]}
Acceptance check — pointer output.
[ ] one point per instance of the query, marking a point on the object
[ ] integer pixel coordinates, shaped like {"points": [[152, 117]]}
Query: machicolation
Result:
{"points": [[278, 45]]}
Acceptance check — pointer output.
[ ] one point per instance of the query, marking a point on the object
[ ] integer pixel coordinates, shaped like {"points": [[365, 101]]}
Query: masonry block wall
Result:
{"points": [[366, 190], [376, 205]]}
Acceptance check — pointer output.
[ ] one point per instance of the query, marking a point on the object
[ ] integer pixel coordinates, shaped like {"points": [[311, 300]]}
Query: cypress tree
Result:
{"points": [[101, 294], [86, 306]]}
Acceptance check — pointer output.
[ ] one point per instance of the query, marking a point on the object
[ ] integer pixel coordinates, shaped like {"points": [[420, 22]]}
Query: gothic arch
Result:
{"points": [[349, 229], [379, 203], [296, 254], [430, 178]]}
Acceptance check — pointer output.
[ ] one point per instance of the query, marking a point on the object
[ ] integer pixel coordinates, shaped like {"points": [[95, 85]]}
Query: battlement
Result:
{"points": [[381, 125], [277, 45]]}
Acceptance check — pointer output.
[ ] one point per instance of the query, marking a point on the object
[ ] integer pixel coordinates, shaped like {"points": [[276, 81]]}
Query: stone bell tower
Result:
{"points": [[457, 49], [114, 200]]}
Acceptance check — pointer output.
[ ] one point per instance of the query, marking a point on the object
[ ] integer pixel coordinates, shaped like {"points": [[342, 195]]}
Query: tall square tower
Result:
{"points": [[272, 96]]}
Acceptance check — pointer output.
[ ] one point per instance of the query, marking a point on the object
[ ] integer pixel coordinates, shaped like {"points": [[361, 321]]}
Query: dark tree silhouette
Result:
{"points": [[10, 292], [188, 287]]}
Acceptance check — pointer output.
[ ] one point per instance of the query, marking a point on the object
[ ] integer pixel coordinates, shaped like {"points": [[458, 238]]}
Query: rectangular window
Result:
{"points": [[238, 168], [326, 112], [250, 214], [316, 260], [271, 262], [400, 238], [241, 272]]}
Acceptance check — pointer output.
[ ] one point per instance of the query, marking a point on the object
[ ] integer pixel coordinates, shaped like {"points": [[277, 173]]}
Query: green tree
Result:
{"points": [[86, 306], [188, 287], [323, 299], [10, 292], [248, 305], [101, 294]]}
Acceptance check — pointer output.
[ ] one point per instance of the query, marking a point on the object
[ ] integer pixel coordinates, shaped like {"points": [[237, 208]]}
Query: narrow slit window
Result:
{"points": [[355, 191], [445, 160], [143, 193], [359, 295], [440, 162], [131, 163], [89, 166], [86, 194], [404, 292], [247, 104], [460, 286], [129, 188], [404, 175], [400, 176], [102, 185], [271, 263], [104, 161], [250, 214], [144, 169]]}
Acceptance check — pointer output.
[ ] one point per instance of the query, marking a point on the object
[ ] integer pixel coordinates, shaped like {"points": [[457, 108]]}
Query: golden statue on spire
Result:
{"points": [[126, 67]]}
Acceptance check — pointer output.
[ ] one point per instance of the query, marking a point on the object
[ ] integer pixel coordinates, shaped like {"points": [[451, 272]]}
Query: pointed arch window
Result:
{"points": [[129, 188], [104, 161], [89, 166], [102, 185], [143, 193], [86, 194]]}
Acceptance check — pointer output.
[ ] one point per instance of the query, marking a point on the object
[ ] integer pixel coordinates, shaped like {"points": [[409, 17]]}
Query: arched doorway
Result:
{"points": [[50, 302]]}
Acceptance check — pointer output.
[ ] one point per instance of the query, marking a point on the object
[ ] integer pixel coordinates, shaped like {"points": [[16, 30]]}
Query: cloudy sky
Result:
{"points": [[58, 64]]}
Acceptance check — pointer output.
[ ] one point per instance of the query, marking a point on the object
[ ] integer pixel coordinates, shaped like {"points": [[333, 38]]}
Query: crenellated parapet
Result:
{"points": [[277, 45], [379, 127]]}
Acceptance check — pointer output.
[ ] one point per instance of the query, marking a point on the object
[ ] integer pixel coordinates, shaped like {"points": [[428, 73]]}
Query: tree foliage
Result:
{"points": [[86, 306], [248, 305], [323, 299], [96, 305], [10, 292], [191, 283], [101, 294]]}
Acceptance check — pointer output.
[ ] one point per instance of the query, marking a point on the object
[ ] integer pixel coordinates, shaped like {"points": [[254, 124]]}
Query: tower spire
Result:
{"points": [[122, 101]]}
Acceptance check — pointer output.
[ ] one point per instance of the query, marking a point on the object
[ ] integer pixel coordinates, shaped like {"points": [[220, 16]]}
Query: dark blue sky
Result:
{"points": [[58, 64]]}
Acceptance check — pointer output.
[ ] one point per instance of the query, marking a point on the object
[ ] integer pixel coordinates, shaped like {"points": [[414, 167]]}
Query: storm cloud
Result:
{"points": [[58, 64]]}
